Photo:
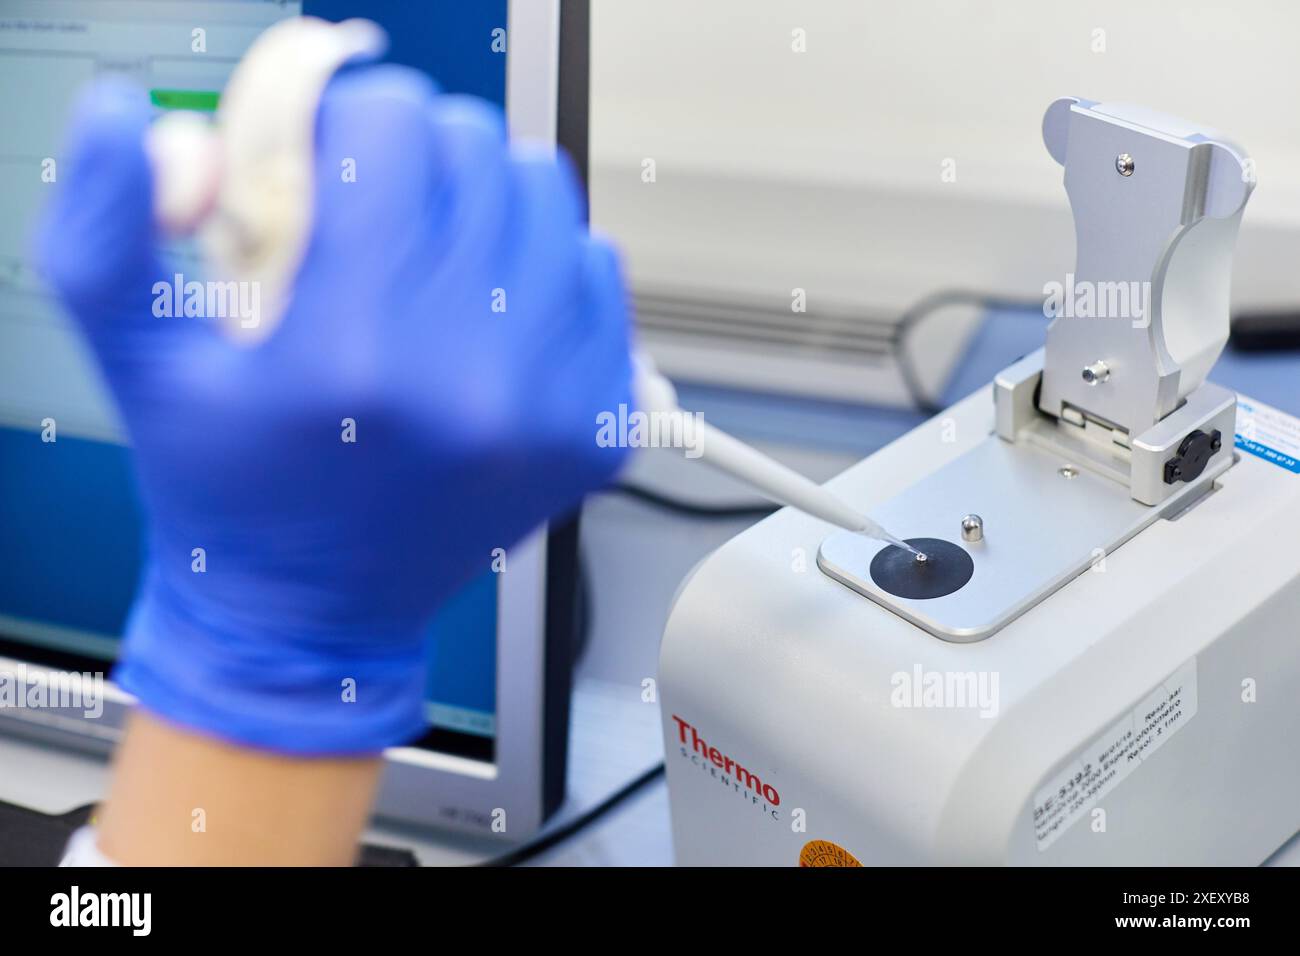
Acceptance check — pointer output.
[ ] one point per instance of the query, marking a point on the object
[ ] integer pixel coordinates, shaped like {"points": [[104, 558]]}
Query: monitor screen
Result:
{"points": [[71, 541]]}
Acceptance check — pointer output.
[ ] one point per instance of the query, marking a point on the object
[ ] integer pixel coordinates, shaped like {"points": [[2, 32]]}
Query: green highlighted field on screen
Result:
{"points": [[204, 100]]}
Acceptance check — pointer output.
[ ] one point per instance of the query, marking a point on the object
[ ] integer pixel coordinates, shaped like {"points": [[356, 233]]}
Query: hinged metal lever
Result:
{"points": [[1156, 205]]}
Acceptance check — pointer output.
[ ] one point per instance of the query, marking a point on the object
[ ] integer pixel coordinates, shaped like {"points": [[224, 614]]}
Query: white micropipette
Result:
{"points": [[764, 474]]}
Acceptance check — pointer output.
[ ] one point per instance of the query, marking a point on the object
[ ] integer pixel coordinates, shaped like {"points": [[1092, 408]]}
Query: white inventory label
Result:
{"points": [[1110, 757], [1267, 433]]}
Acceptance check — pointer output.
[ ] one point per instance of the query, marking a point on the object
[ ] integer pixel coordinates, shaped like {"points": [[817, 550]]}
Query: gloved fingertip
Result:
{"points": [[568, 168], [359, 98], [105, 150], [100, 218], [604, 252], [609, 331], [606, 285], [110, 114], [469, 115], [357, 88], [374, 121]]}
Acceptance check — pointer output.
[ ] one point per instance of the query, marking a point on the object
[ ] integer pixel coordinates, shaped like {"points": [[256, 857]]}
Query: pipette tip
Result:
{"points": [[900, 543], [921, 556]]}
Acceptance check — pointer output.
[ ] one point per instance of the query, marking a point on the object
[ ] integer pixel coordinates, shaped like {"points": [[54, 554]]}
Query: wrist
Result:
{"points": [[181, 799]]}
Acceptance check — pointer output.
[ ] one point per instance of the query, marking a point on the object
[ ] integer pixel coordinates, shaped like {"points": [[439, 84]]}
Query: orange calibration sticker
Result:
{"points": [[825, 853]]}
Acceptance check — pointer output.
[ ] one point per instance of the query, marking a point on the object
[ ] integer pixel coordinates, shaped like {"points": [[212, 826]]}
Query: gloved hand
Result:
{"points": [[326, 559]]}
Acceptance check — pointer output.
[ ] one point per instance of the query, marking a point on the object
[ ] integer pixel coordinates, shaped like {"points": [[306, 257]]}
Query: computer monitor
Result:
{"points": [[71, 540]]}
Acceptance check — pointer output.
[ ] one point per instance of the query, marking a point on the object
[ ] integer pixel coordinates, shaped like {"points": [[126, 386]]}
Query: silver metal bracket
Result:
{"points": [[1111, 426], [1142, 464], [1143, 317]]}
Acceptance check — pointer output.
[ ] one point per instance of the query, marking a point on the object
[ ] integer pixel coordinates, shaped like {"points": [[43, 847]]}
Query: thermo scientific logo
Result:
{"points": [[726, 769]]}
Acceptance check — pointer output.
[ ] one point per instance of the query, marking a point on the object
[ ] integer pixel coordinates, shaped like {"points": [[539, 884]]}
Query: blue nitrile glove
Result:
{"points": [[325, 559]]}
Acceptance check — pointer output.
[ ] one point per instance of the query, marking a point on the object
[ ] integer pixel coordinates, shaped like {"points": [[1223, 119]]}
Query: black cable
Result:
{"points": [[539, 846], [691, 508], [1263, 331], [922, 310]]}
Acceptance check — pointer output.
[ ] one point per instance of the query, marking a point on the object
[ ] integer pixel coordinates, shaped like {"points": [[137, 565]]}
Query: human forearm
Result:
{"points": [[178, 798]]}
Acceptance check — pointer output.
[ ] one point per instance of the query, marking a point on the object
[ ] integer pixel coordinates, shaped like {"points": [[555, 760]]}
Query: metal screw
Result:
{"points": [[1096, 373], [922, 558], [972, 528], [1124, 164], [1068, 471]]}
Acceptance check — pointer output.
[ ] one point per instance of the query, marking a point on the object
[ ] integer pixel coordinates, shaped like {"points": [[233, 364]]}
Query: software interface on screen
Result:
{"points": [[70, 535]]}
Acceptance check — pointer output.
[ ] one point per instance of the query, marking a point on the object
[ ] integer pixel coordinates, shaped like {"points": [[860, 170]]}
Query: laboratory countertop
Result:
{"points": [[636, 555]]}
